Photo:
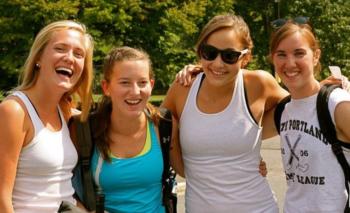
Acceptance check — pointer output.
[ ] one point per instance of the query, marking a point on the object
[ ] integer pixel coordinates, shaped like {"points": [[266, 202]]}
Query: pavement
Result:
{"points": [[270, 151]]}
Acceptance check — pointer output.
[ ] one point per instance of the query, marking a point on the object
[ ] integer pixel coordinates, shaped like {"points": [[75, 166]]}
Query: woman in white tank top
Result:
{"points": [[220, 123], [37, 154]]}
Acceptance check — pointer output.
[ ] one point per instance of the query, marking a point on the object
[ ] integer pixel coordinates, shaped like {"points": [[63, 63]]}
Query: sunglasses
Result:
{"points": [[229, 56], [278, 23]]}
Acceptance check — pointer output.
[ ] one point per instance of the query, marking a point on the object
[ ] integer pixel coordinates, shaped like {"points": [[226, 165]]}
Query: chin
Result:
{"points": [[65, 87]]}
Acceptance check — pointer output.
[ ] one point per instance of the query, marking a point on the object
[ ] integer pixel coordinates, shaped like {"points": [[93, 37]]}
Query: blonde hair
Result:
{"points": [[82, 88], [225, 21], [289, 29]]}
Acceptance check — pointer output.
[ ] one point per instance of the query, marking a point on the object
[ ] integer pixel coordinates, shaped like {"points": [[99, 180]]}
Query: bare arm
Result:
{"points": [[175, 151], [174, 101], [187, 75], [342, 120], [275, 93], [12, 136]]}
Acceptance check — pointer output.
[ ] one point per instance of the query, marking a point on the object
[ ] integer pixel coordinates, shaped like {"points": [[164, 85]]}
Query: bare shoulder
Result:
{"points": [[15, 123], [261, 83], [12, 107], [175, 98], [259, 77]]}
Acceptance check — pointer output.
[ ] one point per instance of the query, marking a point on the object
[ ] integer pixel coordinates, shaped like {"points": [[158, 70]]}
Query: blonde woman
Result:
{"points": [[37, 153]]}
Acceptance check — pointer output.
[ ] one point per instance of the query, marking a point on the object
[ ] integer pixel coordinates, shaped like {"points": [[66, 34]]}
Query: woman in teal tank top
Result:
{"points": [[127, 161]]}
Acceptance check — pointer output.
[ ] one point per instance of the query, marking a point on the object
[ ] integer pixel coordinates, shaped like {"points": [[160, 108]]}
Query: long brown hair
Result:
{"points": [[102, 117]]}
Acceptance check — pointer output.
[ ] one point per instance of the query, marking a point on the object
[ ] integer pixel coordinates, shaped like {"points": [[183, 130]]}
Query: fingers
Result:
{"points": [[262, 168], [184, 77], [345, 83], [331, 80]]}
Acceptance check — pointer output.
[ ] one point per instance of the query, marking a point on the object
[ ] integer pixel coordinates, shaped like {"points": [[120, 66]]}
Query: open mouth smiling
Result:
{"points": [[133, 102], [64, 71]]}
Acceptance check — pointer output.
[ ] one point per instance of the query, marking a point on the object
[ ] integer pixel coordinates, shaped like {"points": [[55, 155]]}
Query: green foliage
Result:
{"points": [[2, 96], [331, 22], [166, 29]]}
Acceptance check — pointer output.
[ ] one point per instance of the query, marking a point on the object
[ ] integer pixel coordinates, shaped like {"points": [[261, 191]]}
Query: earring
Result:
{"points": [[37, 66]]}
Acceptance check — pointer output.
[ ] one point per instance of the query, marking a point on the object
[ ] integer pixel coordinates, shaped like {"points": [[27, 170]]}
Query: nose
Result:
{"points": [[69, 56], [218, 62], [135, 89], [290, 62]]}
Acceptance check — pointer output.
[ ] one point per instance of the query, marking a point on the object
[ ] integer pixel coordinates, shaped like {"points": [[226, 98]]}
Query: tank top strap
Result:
{"points": [[154, 138], [191, 99], [238, 96], [31, 110]]}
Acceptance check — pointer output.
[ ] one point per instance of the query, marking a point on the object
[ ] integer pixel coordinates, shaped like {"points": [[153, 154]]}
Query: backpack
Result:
{"points": [[327, 128], [90, 195]]}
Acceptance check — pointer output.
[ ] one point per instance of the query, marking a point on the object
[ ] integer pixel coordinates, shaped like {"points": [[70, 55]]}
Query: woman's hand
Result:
{"points": [[331, 80], [343, 81], [262, 168], [187, 74]]}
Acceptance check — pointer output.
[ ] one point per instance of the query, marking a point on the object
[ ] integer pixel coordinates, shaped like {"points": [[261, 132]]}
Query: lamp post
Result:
{"points": [[276, 7]]}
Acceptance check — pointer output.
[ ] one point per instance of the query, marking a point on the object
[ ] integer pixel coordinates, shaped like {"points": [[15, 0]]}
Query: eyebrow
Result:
{"points": [[67, 45]]}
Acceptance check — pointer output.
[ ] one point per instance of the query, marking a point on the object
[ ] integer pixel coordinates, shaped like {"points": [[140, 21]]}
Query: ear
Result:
{"points": [[317, 56], [245, 60], [152, 83], [105, 87]]}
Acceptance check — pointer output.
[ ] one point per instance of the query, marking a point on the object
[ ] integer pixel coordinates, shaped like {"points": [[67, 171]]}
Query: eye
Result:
{"points": [[79, 54], [124, 82], [143, 83], [281, 55], [300, 54], [59, 49]]}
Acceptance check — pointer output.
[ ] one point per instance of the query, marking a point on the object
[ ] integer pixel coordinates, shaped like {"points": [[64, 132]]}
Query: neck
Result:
{"points": [[126, 125], [44, 100], [306, 91], [214, 92]]}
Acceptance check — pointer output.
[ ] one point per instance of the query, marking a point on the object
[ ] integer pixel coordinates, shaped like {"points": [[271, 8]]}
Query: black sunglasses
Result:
{"points": [[229, 56], [278, 23]]}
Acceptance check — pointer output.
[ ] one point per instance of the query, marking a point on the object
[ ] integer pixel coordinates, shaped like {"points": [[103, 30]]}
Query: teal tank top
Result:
{"points": [[132, 185]]}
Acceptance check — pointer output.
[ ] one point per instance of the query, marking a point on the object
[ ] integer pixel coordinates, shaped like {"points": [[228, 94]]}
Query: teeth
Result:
{"points": [[133, 102], [64, 71], [291, 74], [218, 73]]}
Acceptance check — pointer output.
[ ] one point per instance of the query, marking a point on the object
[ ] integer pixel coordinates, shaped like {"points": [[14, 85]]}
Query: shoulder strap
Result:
{"points": [[278, 112], [328, 130], [323, 114], [84, 146], [165, 131]]}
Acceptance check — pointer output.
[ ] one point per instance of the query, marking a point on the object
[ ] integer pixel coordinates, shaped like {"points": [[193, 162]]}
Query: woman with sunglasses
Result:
{"points": [[220, 122], [314, 177]]}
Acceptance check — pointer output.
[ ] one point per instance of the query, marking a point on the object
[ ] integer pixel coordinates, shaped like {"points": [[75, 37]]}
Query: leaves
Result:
{"points": [[166, 29]]}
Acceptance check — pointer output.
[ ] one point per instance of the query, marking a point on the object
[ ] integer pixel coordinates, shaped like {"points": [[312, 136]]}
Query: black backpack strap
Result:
{"points": [[168, 177], [84, 146], [328, 130], [278, 112]]}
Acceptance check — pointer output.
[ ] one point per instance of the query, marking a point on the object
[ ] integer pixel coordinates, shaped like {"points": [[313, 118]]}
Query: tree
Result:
{"points": [[166, 29], [19, 23]]}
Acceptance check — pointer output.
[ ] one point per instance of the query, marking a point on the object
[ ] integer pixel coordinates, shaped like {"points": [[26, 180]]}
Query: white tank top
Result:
{"points": [[44, 169], [315, 179], [221, 153]]}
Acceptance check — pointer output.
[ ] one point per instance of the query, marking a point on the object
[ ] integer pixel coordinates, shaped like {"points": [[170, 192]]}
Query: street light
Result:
{"points": [[277, 8]]}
